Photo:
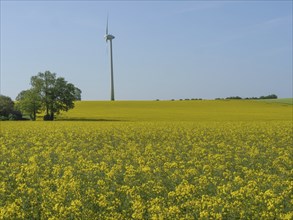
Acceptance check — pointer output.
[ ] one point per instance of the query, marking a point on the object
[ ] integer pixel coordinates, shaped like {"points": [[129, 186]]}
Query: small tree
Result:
{"points": [[7, 111], [29, 102], [6, 106]]}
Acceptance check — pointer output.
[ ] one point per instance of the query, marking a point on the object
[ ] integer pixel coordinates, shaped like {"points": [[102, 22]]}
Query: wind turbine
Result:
{"points": [[110, 37]]}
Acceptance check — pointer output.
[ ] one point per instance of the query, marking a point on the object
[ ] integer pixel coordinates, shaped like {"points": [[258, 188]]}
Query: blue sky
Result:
{"points": [[162, 50]]}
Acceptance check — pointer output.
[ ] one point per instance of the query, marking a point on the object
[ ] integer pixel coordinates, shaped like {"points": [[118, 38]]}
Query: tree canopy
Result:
{"points": [[29, 102], [7, 110], [50, 94]]}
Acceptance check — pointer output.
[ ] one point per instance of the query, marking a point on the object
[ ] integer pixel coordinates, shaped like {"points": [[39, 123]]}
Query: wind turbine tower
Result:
{"points": [[110, 37]]}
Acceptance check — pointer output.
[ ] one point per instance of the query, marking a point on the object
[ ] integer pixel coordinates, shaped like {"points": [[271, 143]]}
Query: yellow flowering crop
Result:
{"points": [[145, 169]]}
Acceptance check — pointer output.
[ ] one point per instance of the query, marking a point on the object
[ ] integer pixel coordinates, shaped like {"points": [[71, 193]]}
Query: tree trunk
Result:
{"points": [[35, 112], [52, 116], [34, 115]]}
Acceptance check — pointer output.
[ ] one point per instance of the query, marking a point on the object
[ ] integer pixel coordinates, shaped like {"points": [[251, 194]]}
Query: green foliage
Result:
{"points": [[234, 97], [7, 110], [6, 106], [29, 102], [77, 94], [273, 96], [50, 94]]}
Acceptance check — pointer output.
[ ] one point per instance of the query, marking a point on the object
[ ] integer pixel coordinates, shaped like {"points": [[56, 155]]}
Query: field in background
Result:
{"points": [[283, 101], [150, 160], [199, 110]]}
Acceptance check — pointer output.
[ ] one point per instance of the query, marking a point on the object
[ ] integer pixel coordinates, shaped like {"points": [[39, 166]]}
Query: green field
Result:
{"points": [[199, 110], [288, 101], [150, 160]]}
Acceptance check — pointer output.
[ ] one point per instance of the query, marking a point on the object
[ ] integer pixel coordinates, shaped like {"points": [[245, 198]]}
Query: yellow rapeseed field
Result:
{"points": [[199, 110], [150, 160]]}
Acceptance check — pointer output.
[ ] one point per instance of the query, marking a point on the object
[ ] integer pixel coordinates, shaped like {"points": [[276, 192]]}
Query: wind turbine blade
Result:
{"points": [[107, 25]]}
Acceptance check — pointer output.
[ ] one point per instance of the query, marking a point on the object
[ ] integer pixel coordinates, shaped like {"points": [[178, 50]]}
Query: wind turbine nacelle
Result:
{"points": [[109, 37]]}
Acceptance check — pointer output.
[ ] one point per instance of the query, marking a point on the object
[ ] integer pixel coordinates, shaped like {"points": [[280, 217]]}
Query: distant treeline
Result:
{"points": [[186, 99], [272, 96], [183, 99]]}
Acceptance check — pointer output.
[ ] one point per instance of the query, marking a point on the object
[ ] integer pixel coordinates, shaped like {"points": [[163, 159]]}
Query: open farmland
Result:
{"points": [[150, 160], [200, 110]]}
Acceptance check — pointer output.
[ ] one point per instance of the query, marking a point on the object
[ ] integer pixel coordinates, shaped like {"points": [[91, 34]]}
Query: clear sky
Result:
{"points": [[162, 50]]}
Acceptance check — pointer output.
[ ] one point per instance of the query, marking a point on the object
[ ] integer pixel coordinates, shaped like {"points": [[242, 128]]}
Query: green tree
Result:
{"points": [[272, 96], [56, 94], [29, 102], [6, 106], [7, 110]]}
